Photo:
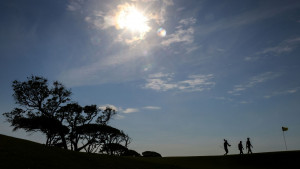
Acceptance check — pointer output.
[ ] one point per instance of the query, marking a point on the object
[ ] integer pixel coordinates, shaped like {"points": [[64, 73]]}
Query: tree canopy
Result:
{"points": [[49, 110]]}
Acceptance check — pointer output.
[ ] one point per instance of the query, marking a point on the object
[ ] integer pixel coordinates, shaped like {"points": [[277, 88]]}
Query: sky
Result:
{"points": [[182, 74]]}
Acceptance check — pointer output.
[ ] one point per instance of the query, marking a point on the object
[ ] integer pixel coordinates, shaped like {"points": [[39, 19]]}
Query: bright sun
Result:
{"points": [[130, 18]]}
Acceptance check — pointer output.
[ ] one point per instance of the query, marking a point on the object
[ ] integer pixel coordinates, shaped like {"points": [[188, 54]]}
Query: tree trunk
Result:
{"points": [[63, 140]]}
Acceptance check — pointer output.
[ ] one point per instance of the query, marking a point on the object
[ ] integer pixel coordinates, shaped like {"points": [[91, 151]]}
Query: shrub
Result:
{"points": [[151, 154]]}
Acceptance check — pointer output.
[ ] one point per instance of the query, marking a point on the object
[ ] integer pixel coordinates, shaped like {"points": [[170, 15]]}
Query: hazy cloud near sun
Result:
{"points": [[154, 11], [123, 65]]}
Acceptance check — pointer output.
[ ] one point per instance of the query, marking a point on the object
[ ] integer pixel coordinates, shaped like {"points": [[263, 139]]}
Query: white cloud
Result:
{"points": [[103, 107], [151, 108], [261, 78], [130, 110], [165, 82], [120, 111]]}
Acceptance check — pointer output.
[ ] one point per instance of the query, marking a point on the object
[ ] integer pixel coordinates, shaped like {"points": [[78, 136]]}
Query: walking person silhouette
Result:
{"points": [[241, 148], [249, 145], [226, 146]]}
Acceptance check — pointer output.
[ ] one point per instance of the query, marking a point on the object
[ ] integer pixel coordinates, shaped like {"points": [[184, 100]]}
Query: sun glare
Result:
{"points": [[130, 18]]}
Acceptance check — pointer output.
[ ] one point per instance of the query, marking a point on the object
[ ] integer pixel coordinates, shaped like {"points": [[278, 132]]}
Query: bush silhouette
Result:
{"points": [[151, 154], [131, 153]]}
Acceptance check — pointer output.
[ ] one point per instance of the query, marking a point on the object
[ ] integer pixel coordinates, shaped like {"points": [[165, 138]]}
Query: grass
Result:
{"points": [[22, 154]]}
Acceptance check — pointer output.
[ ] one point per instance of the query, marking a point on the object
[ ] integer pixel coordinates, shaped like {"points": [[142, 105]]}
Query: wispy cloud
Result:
{"points": [[151, 108], [184, 33], [284, 92], [75, 5], [118, 67], [244, 102], [108, 65], [165, 82], [261, 78], [283, 47]]}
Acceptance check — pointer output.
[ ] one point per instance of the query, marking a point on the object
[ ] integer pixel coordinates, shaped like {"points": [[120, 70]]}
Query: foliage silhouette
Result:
{"points": [[49, 110], [131, 153], [114, 149], [151, 154]]}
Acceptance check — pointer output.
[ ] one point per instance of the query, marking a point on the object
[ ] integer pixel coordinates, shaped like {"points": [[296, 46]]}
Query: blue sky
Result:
{"points": [[223, 69]]}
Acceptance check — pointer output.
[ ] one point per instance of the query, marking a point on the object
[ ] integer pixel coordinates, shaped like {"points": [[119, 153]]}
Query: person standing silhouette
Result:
{"points": [[241, 148], [249, 145], [226, 146]]}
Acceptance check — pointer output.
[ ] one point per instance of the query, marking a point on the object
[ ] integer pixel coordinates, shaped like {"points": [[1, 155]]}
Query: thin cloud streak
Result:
{"points": [[261, 78], [130, 110], [284, 92], [151, 108], [285, 46]]}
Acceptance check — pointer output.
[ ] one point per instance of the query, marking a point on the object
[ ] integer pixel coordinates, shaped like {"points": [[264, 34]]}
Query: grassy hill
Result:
{"points": [[22, 154]]}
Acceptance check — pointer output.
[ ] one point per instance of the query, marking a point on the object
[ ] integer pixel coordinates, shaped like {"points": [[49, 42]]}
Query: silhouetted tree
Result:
{"points": [[112, 138], [48, 110], [85, 124], [40, 104]]}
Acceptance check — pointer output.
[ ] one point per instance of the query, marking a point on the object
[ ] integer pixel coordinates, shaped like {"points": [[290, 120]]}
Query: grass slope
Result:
{"points": [[22, 154]]}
